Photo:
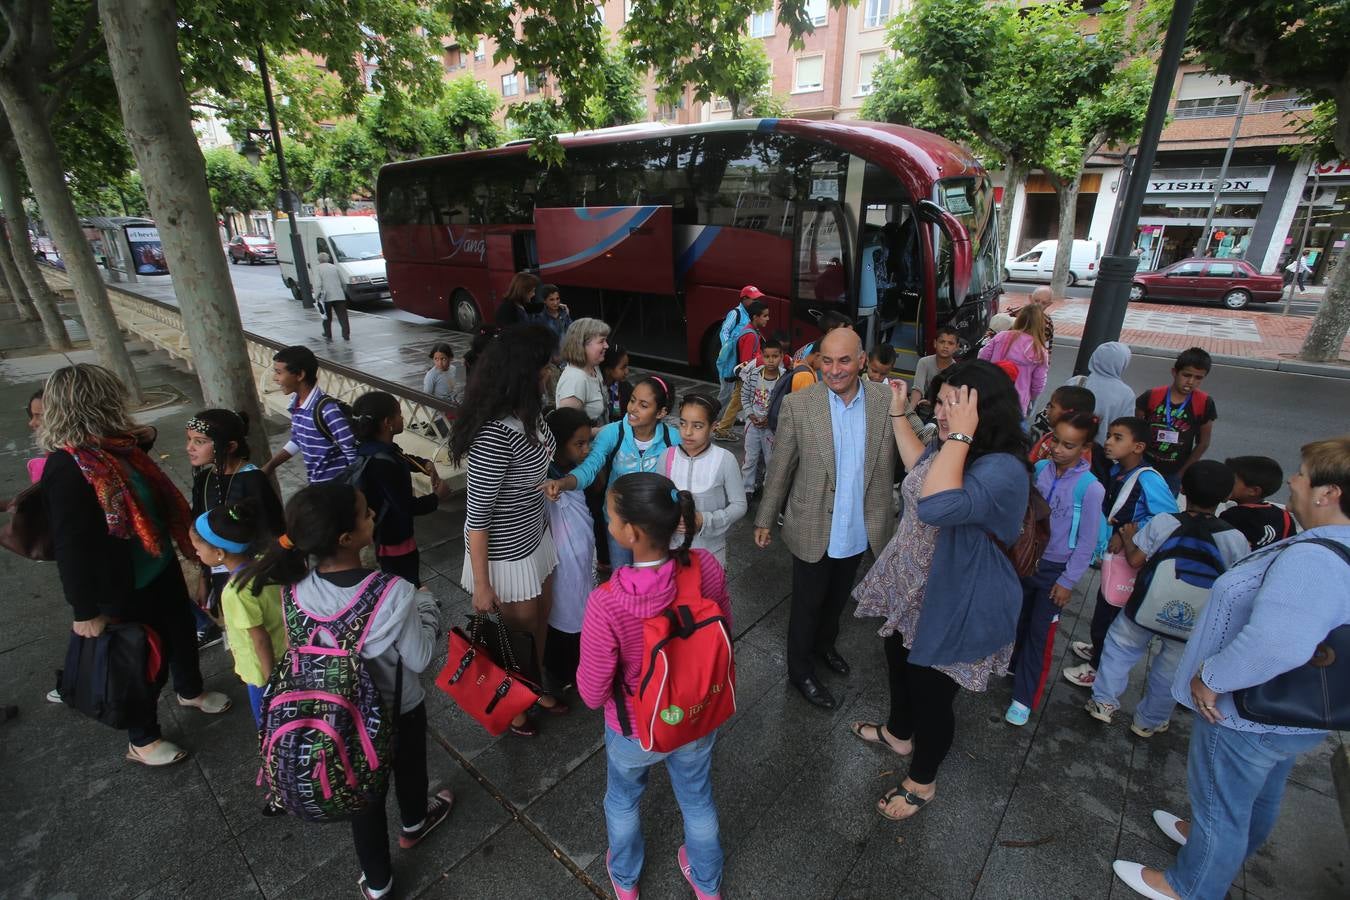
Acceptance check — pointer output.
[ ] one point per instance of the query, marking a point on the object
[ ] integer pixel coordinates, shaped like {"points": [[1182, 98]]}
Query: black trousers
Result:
{"points": [[1102, 617], [921, 710], [166, 607], [407, 566], [370, 830], [562, 655], [819, 592], [340, 307]]}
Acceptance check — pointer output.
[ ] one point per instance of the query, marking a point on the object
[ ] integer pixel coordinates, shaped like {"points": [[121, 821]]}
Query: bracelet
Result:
{"points": [[900, 416], [963, 438]]}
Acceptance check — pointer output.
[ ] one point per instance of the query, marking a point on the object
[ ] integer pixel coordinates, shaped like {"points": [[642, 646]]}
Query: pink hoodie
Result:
{"points": [[1019, 348], [611, 634]]}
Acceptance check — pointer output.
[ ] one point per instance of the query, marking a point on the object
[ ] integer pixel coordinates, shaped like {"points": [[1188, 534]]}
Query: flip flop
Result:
{"points": [[909, 797], [879, 738]]}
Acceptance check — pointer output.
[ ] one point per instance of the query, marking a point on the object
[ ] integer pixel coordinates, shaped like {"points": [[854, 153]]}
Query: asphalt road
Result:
{"points": [[1260, 412], [1305, 307]]}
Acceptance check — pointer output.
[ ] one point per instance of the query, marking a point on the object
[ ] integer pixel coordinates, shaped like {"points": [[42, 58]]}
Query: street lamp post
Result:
{"points": [[1111, 294], [289, 202]]}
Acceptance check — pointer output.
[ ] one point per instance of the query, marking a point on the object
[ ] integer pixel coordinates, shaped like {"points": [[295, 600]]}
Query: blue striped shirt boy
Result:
{"points": [[324, 459]]}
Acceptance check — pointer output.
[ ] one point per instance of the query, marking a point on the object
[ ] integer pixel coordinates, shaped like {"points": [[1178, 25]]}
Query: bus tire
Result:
{"points": [[464, 311]]}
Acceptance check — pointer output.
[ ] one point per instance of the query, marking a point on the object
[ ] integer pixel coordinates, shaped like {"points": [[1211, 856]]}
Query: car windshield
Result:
{"points": [[353, 247], [257, 241]]}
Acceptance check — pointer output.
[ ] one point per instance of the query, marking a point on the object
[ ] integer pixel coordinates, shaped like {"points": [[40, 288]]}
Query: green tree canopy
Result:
{"points": [[235, 184]]}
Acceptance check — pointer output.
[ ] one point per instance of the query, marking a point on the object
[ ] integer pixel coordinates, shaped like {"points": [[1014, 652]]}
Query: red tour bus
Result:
{"points": [[656, 229]]}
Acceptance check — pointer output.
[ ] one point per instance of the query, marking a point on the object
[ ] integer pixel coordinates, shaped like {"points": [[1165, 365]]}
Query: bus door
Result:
{"points": [[822, 271]]}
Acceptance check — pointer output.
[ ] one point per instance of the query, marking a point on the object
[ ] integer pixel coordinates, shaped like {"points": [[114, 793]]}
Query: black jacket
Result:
{"points": [[96, 568], [251, 484], [387, 484]]}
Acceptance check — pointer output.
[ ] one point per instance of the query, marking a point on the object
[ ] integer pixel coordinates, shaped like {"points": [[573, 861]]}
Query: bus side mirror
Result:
{"points": [[963, 260]]}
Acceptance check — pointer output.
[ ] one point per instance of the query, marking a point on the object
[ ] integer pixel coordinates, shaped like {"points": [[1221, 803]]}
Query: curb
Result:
{"points": [[1289, 366]]}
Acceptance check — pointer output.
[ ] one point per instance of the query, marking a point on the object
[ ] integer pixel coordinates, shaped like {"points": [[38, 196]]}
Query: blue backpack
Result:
{"points": [[735, 324], [1174, 585], [1085, 481]]}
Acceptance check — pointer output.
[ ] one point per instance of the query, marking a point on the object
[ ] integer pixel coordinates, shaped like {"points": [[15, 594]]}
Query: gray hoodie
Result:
{"points": [[1114, 397], [405, 625]]}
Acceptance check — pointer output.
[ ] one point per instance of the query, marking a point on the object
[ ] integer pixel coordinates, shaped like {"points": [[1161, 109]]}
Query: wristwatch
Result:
{"points": [[963, 438]]}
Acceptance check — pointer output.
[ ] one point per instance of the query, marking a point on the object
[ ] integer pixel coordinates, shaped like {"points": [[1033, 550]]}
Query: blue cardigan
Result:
{"points": [[973, 598]]}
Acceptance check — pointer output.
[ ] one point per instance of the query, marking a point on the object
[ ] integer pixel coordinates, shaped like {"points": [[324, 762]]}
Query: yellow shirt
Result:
{"points": [[243, 610]]}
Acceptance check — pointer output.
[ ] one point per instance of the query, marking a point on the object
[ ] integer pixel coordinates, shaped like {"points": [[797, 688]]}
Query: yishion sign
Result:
{"points": [[1160, 183]]}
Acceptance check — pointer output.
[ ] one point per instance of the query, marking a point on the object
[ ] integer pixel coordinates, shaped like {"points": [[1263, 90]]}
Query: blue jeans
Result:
{"points": [[1125, 644], [690, 769], [1236, 781], [255, 698]]}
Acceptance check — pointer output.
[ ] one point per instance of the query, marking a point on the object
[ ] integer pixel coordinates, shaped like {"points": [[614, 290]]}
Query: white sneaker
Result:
{"points": [[1083, 676], [1082, 650], [1144, 731], [54, 696], [1132, 873], [1102, 712], [1167, 824]]}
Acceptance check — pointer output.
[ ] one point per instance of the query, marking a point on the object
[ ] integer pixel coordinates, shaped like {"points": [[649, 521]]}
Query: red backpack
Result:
{"points": [[1199, 400], [687, 683]]}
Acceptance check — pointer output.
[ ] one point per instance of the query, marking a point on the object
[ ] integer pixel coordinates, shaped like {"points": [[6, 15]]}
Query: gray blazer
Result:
{"points": [[803, 470]]}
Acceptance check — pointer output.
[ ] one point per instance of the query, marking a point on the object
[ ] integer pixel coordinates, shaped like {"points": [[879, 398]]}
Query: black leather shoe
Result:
{"points": [[816, 693], [835, 662]]}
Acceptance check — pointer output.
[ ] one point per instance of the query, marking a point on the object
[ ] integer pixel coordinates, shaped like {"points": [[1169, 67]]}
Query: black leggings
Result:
{"points": [[407, 566], [921, 710], [370, 830]]}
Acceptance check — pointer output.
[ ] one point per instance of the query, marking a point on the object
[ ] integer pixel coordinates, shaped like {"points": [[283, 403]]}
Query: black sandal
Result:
{"points": [[880, 739], [909, 797]]}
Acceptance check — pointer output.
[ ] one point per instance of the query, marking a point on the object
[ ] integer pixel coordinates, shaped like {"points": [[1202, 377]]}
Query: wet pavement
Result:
{"points": [[1033, 812]]}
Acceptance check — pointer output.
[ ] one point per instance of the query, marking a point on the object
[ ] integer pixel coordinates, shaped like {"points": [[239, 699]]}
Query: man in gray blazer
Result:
{"points": [[834, 460]]}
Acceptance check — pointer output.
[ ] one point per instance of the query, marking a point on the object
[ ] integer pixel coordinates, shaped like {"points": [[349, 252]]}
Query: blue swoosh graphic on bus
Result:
{"points": [[696, 249], [767, 125], [621, 231]]}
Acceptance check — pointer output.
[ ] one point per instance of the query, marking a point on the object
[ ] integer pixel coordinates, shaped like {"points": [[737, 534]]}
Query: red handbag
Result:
{"points": [[493, 695]]}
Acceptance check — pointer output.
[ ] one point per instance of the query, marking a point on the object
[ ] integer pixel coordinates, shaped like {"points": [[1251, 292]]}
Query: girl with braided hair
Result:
{"points": [[217, 448]]}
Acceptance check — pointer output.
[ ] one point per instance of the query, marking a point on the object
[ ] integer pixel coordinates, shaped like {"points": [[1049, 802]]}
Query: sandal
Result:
{"points": [[160, 753], [909, 797], [558, 708], [878, 737], [209, 702]]}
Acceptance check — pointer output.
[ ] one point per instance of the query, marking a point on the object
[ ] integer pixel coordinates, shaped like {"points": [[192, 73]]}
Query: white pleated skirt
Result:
{"points": [[517, 579]]}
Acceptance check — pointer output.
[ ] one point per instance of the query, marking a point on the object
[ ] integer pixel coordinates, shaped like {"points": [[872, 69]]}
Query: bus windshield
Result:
{"points": [[971, 201]]}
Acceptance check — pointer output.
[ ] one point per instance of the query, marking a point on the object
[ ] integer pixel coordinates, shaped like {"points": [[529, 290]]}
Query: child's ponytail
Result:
{"points": [[687, 515], [316, 517]]}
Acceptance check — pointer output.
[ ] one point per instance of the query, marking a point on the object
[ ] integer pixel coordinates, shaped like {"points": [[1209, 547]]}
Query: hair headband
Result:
{"points": [[203, 526], [661, 381], [199, 425]]}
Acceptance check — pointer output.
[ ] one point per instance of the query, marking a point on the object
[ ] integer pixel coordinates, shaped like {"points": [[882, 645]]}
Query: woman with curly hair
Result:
{"points": [[117, 524]]}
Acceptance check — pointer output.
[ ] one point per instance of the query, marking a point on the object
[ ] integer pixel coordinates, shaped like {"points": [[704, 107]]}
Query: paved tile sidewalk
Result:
{"points": [[1259, 332], [1022, 813]]}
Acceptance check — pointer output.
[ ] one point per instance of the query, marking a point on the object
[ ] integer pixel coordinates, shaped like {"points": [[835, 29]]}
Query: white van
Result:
{"points": [[353, 242], [1038, 263]]}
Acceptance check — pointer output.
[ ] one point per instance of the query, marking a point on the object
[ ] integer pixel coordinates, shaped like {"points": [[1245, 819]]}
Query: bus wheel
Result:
{"points": [[465, 311]]}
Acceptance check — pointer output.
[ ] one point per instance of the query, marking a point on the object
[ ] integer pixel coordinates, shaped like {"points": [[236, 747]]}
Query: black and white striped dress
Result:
{"points": [[505, 470]]}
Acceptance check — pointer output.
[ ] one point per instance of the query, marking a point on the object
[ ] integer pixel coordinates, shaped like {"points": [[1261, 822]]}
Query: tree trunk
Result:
{"points": [[1013, 175], [143, 54], [27, 276], [13, 285], [43, 164], [1323, 343], [1066, 194]]}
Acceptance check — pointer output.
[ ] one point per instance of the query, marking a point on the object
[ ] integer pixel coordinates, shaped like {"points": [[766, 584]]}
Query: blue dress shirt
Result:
{"points": [[848, 423]]}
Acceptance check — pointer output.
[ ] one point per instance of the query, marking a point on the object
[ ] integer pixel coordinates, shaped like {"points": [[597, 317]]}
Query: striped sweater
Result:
{"points": [[611, 634], [505, 471], [324, 459]]}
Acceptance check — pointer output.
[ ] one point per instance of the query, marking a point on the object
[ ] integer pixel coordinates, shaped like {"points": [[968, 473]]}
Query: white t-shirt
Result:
{"points": [[590, 390]]}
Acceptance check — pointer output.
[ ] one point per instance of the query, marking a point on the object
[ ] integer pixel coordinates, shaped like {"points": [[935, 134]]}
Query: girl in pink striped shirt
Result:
{"points": [[644, 511]]}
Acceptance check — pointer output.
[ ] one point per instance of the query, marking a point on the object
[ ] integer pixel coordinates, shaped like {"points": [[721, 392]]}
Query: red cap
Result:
{"points": [[1009, 368], [750, 292]]}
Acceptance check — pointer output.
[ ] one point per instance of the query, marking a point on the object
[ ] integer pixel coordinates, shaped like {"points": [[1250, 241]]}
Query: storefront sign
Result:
{"points": [[1337, 168], [1160, 184]]}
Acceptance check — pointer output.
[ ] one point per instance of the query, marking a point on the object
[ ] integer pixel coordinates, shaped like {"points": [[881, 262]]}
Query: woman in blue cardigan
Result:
{"points": [[1269, 614], [964, 500]]}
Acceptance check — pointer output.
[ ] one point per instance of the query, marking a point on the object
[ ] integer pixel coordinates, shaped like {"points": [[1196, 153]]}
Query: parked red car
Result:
{"points": [[251, 249], [1233, 282]]}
